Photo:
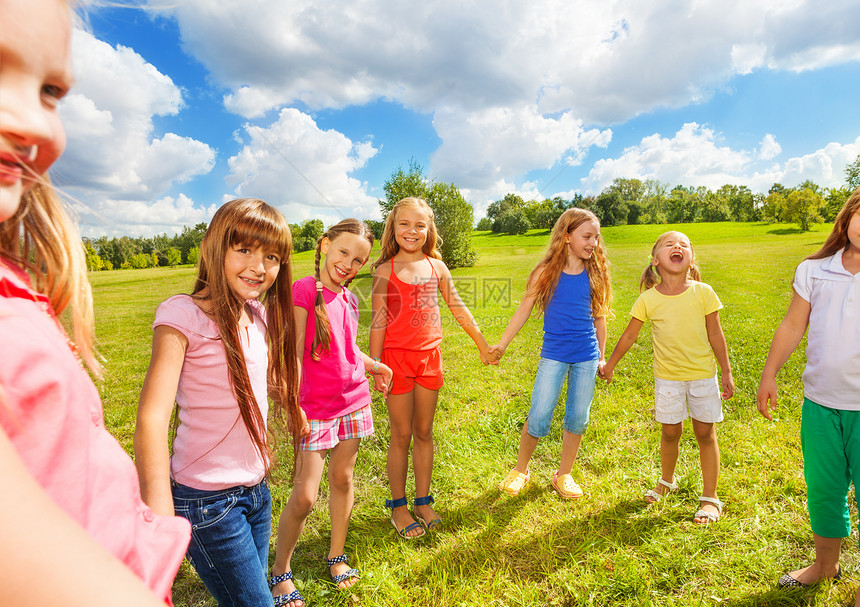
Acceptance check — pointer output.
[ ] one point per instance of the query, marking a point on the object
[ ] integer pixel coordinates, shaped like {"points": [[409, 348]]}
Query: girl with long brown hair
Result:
{"points": [[571, 287], [219, 353]]}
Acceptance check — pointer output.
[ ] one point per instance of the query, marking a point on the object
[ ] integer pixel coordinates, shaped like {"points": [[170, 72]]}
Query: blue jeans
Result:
{"points": [[547, 390], [229, 547]]}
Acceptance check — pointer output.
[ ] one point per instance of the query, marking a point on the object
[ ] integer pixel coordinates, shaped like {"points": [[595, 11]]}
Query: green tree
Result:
{"points": [[484, 224], [313, 229], [194, 255], [174, 257], [834, 200], [513, 221], [94, 262], [611, 209], [852, 174], [403, 184], [509, 203], [801, 206]]}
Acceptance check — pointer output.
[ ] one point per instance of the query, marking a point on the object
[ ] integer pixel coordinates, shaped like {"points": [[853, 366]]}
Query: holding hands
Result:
{"points": [[493, 355]]}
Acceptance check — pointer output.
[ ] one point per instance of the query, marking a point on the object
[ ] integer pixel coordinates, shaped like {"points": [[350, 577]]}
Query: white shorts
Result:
{"points": [[675, 401]]}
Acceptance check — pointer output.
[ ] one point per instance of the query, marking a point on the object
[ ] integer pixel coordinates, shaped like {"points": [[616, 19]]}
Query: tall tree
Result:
{"points": [[852, 174]]}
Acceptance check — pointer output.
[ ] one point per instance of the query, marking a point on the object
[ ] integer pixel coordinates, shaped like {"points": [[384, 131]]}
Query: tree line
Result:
{"points": [[624, 201], [634, 201]]}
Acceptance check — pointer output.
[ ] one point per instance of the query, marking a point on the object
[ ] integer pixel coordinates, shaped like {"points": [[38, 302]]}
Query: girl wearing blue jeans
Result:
{"points": [[219, 353], [571, 287]]}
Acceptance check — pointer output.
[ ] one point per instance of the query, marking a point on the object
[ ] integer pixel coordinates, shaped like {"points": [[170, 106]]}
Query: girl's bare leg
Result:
{"points": [[709, 457], [309, 467], [341, 498], [569, 449], [400, 416], [670, 437], [422, 450], [528, 444]]}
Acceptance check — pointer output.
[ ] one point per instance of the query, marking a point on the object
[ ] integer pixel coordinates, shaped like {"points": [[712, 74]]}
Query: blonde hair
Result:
{"points": [[837, 240], [651, 276], [253, 222], [322, 334], [388, 243], [42, 239], [555, 258]]}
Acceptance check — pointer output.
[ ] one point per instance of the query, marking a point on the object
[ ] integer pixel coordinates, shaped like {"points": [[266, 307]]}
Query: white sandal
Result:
{"points": [[656, 496], [712, 518]]}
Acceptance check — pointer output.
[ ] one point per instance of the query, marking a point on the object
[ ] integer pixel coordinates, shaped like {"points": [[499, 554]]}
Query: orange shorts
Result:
{"points": [[410, 367]]}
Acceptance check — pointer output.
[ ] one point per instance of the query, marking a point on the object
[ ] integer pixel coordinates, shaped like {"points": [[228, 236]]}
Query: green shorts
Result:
{"points": [[830, 439]]}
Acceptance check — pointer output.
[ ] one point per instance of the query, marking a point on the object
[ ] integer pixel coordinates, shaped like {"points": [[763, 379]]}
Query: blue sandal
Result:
{"points": [[402, 532], [337, 579], [426, 501], [283, 599]]}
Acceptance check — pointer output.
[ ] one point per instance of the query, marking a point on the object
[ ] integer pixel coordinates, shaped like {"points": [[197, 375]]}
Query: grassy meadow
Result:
{"points": [[607, 548]]}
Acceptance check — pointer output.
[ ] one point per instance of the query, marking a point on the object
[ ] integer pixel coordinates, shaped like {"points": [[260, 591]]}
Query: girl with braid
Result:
{"points": [[334, 395]]}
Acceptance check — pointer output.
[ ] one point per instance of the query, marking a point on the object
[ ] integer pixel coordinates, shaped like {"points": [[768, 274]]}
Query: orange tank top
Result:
{"points": [[414, 322]]}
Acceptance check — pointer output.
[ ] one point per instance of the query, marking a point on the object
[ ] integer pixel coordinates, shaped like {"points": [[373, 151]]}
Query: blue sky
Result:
{"points": [[182, 105]]}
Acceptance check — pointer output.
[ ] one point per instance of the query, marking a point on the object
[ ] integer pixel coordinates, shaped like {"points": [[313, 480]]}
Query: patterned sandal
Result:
{"points": [[426, 501], [283, 599], [402, 532], [652, 497], [514, 482], [337, 579]]}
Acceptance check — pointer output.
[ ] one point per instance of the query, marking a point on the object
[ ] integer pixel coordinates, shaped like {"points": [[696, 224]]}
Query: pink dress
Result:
{"points": [[52, 414]]}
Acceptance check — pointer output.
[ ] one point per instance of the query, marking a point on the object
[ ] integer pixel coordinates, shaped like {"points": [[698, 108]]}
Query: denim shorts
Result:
{"points": [[229, 547], [548, 383]]}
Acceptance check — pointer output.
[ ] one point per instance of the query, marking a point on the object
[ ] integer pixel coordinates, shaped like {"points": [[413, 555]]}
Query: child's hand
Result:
{"points": [[302, 425], [606, 372], [497, 350], [766, 395], [382, 379], [728, 386], [488, 356]]}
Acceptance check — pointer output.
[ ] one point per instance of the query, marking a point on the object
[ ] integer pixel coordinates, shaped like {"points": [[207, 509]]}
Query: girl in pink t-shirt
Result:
{"points": [[335, 397], [218, 353], [73, 529]]}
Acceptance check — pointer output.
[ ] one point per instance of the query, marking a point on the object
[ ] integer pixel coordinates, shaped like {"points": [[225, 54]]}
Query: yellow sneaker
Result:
{"points": [[514, 482], [566, 486]]}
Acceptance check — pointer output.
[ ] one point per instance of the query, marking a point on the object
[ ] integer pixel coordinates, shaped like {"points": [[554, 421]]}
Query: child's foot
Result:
{"points": [[660, 490], [710, 510], [341, 573], [808, 576], [427, 516], [404, 523], [284, 591]]}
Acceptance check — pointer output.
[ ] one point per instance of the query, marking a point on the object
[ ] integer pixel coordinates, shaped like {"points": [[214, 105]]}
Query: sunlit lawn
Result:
{"points": [[536, 549]]}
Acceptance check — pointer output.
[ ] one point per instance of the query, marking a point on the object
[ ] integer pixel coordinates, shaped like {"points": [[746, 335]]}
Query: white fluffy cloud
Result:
{"points": [[114, 164], [504, 72], [693, 157], [139, 218], [303, 170]]}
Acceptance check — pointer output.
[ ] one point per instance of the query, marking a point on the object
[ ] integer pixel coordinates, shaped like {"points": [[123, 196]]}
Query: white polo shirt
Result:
{"points": [[832, 374]]}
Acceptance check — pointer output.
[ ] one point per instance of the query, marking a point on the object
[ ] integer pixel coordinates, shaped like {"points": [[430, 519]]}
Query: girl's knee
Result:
{"points": [[340, 480], [302, 503], [671, 433], [705, 433], [423, 435]]}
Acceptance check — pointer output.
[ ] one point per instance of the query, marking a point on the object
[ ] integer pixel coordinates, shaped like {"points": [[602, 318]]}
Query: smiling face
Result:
{"points": [[410, 229], [35, 73], [582, 241], [250, 269], [673, 254], [344, 257]]}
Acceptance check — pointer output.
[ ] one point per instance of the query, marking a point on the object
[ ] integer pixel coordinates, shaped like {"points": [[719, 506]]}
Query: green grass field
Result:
{"points": [[607, 548]]}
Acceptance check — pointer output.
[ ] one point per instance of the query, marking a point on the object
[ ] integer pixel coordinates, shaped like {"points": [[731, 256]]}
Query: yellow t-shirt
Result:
{"points": [[682, 351]]}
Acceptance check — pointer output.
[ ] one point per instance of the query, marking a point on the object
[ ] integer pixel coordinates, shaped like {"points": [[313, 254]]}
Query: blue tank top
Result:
{"points": [[569, 335]]}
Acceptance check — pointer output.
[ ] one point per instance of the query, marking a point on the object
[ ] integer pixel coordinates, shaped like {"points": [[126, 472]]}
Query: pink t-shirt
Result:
{"points": [[212, 449], [335, 385], [51, 412]]}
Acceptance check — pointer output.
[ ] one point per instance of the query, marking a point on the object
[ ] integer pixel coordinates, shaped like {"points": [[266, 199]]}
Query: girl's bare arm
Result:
{"points": [[461, 313], [717, 339], [151, 451]]}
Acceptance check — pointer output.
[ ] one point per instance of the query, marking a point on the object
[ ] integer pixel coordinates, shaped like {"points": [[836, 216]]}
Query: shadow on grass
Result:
{"points": [[785, 231]]}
